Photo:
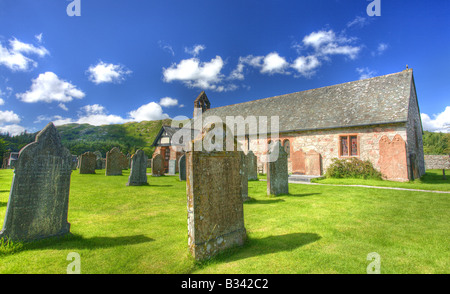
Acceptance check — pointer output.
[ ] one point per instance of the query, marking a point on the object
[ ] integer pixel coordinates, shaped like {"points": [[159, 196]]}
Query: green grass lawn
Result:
{"points": [[315, 229], [432, 180]]}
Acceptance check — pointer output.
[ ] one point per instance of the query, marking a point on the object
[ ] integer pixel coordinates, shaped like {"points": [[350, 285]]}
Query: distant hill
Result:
{"points": [[80, 138]]}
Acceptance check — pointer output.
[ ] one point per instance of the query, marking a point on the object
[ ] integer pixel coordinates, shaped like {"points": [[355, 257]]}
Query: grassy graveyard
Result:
{"points": [[314, 229]]}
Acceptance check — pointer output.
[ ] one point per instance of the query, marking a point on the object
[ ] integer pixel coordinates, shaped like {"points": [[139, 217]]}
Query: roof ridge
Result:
{"points": [[324, 87]]}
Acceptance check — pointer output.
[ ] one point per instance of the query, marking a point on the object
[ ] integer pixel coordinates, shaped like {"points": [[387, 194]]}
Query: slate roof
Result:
{"points": [[170, 131], [374, 101]]}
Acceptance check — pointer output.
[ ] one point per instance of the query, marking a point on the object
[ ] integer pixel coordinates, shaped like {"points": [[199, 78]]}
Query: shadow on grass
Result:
{"points": [[151, 185], [3, 204], [432, 177], [4, 191], [254, 201], [73, 241], [302, 195], [268, 245]]}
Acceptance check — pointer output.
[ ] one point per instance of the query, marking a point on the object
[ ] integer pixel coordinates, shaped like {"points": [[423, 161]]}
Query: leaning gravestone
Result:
{"points": [[277, 171], [252, 168], [88, 162], [114, 162], [172, 166], [215, 206], [182, 167], [157, 166], [39, 198], [138, 173]]}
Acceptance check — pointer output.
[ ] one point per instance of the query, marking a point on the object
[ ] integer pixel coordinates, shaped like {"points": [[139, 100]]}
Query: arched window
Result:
{"points": [[287, 147]]}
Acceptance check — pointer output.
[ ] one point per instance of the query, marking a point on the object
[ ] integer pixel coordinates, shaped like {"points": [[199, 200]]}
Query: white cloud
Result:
{"points": [[194, 73], [97, 115], [39, 37], [439, 123], [47, 87], [2, 102], [63, 106], [380, 49], [195, 50], [8, 116], [327, 43], [306, 65], [107, 73], [150, 111], [13, 130], [365, 73], [166, 47], [359, 21], [167, 102], [274, 63], [14, 57]]}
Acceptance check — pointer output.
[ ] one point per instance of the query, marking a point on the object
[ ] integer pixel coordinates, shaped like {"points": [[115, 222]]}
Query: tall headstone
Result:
{"points": [[88, 162], [215, 206], [277, 171], [39, 198], [113, 162], [138, 173], [252, 167], [182, 167], [157, 166], [172, 166]]}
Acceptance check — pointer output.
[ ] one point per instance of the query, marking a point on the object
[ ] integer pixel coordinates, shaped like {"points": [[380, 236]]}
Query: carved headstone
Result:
{"points": [[138, 173], [215, 206], [252, 167], [172, 166], [39, 198], [88, 162], [182, 167], [157, 166], [277, 171], [114, 162]]}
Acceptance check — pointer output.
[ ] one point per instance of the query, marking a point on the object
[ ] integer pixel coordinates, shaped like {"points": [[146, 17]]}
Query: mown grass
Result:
{"points": [[432, 180], [315, 229]]}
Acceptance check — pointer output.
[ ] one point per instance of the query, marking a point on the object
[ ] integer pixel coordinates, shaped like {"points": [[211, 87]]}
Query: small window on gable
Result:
{"points": [[348, 145]]}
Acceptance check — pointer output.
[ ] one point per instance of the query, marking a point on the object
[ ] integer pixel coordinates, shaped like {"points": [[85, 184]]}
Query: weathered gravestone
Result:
{"points": [[244, 176], [172, 166], [215, 206], [138, 173], [124, 162], [157, 166], [113, 162], [39, 198], [277, 171], [252, 168], [98, 160], [74, 162], [88, 161], [182, 167]]}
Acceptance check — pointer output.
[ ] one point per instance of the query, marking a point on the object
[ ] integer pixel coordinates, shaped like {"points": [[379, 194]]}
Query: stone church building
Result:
{"points": [[376, 119]]}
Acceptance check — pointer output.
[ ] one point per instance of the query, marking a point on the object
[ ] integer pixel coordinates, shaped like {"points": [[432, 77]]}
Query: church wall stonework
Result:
{"points": [[326, 143]]}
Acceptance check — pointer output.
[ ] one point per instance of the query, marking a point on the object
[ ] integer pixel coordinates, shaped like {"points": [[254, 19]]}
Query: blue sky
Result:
{"points": [[134, 60]]}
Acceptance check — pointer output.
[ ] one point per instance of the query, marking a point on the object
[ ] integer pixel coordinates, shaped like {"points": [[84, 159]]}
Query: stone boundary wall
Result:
{"points": [[437, 161]]}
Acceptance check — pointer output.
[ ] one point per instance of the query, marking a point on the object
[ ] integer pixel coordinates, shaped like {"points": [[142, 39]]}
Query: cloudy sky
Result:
{"points": [[122, 61]]}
